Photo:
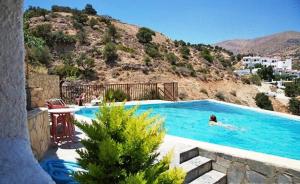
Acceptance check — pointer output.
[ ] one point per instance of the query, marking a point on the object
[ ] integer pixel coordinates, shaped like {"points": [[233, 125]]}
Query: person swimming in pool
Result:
{"points": [[214, 122]]}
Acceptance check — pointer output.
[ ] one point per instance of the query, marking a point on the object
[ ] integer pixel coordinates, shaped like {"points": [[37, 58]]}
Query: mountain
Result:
{"points": [[95, 49], [285, 45]]}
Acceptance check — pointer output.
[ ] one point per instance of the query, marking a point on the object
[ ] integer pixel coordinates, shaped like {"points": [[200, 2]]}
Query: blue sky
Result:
{"points": [[197, 21]]}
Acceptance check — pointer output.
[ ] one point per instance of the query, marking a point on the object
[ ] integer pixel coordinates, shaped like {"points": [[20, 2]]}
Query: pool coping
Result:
{"points": [[277, 161]]}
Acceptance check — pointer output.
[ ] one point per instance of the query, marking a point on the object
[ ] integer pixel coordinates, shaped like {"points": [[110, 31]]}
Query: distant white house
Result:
{"points": [[276, 63]]}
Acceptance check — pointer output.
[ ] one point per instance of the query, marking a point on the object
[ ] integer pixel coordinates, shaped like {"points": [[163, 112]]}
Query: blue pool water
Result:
{"points": [[255, 131]]}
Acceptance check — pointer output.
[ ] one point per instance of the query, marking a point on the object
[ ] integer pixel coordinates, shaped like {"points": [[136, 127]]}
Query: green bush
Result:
{"points": [[255, 79], [152, 50], [185, 52], [294, 106], [125, 49], [66, 71], [80, 17], [43, 31], [191, 68], [116, 95], [171, 58], [38, 55], [82, 37], [56, 8], [33, 41], [121, 148], [207, 56], [220, 96], [263, 101], [33, 11], [93, 22], [60, 38], [105, 20], [152, 95], [86, 65], [110, 52], [112, 31], [292, 89], [78, 25], [144, 35], [88, 9], [266, 73], [147, 61]]}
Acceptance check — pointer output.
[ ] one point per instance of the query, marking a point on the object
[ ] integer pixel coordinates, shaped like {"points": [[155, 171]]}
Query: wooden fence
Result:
{"points": [[135, 91]]}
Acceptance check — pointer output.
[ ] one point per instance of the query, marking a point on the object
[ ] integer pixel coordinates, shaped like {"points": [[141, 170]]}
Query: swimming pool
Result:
{"points": [[254, 130]]}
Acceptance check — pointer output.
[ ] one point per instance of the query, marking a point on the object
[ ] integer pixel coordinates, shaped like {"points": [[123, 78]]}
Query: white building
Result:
{"points": [[277, 64]]}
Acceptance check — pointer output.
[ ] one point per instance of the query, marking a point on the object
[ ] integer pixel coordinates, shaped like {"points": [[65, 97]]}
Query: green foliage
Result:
{"points": [[56, 8], [185, 52], [266, 73], [112, 31], [38, 55], [191, 68], [117, 95], [220, 95], [110, 52], [125, 49], [33, 11], [77, 25], [88, 9], [263, 101], [152, 95], [258, 65], [121, 148], [82, 37], [294, 106], [144, 35], [86, 65], [33, 41], [80, 17], [105, 20], [225, 62], [147, 61], [292, 89], [93, 22], [206, 55], [251, 79], [60, 38], [66, 71], [152, 50], [171, 58], [42, 31]]}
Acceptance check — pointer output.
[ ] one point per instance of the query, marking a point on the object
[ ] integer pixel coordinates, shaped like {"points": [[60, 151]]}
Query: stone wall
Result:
{"points": [[42, 87], [243, 170], [39, 131]]}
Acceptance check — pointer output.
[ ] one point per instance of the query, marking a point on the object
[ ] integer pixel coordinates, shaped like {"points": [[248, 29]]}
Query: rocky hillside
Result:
{"points": [[285, 45], [87, 48]]}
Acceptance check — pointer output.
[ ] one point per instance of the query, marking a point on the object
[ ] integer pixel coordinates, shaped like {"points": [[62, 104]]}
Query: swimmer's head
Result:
{"points": [[213, 118]]}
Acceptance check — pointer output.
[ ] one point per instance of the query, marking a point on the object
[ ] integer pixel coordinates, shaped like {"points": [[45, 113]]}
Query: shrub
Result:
{"points": [[185, 52], [204, 91], [292, 89], [117, 95], [60, 38], [80, 17], [255, 79], [152, 95], [33, 41], [121, 148], [294, 106], [112, 31], [144, 35], [42, 31], [82, 37], [110, 52], [220, 96], [266, 73], [147, 61], [88, 9], [105, 20], [171, 58], [56, 8], [152, 50], [191, 68], [77, 25], [125, 49], [93, 22], [207, 56], [33, 11], [66, 71], [38, 55], [263, 101], [86, 65]]}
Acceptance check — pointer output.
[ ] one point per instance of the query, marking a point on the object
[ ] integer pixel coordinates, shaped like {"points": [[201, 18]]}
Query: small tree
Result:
{"points": [[266, 73], [172, 58], [206, 55], [144, 35], [88, 9], [263, 101], [110, 52], [152, 50], [185, 52], [294, 106], [121, 148]]}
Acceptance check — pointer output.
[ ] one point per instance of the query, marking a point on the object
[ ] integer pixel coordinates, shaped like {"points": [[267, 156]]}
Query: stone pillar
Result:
{"points": [[17, 164]]}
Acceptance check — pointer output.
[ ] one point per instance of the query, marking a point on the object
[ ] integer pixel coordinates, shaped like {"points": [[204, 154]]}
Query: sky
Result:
{"points": [[197, 21]]}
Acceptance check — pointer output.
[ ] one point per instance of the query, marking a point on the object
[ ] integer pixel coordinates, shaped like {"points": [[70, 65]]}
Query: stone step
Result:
{"points": [[196, 167], [211, 177], [189, 154]]}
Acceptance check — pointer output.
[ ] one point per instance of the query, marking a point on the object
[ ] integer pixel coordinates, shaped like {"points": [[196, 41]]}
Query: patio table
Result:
{"points": [[62, 127]]}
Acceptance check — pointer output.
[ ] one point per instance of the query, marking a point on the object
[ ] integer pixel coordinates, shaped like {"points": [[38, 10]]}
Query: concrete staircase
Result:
{"points": [[199, 169]]}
